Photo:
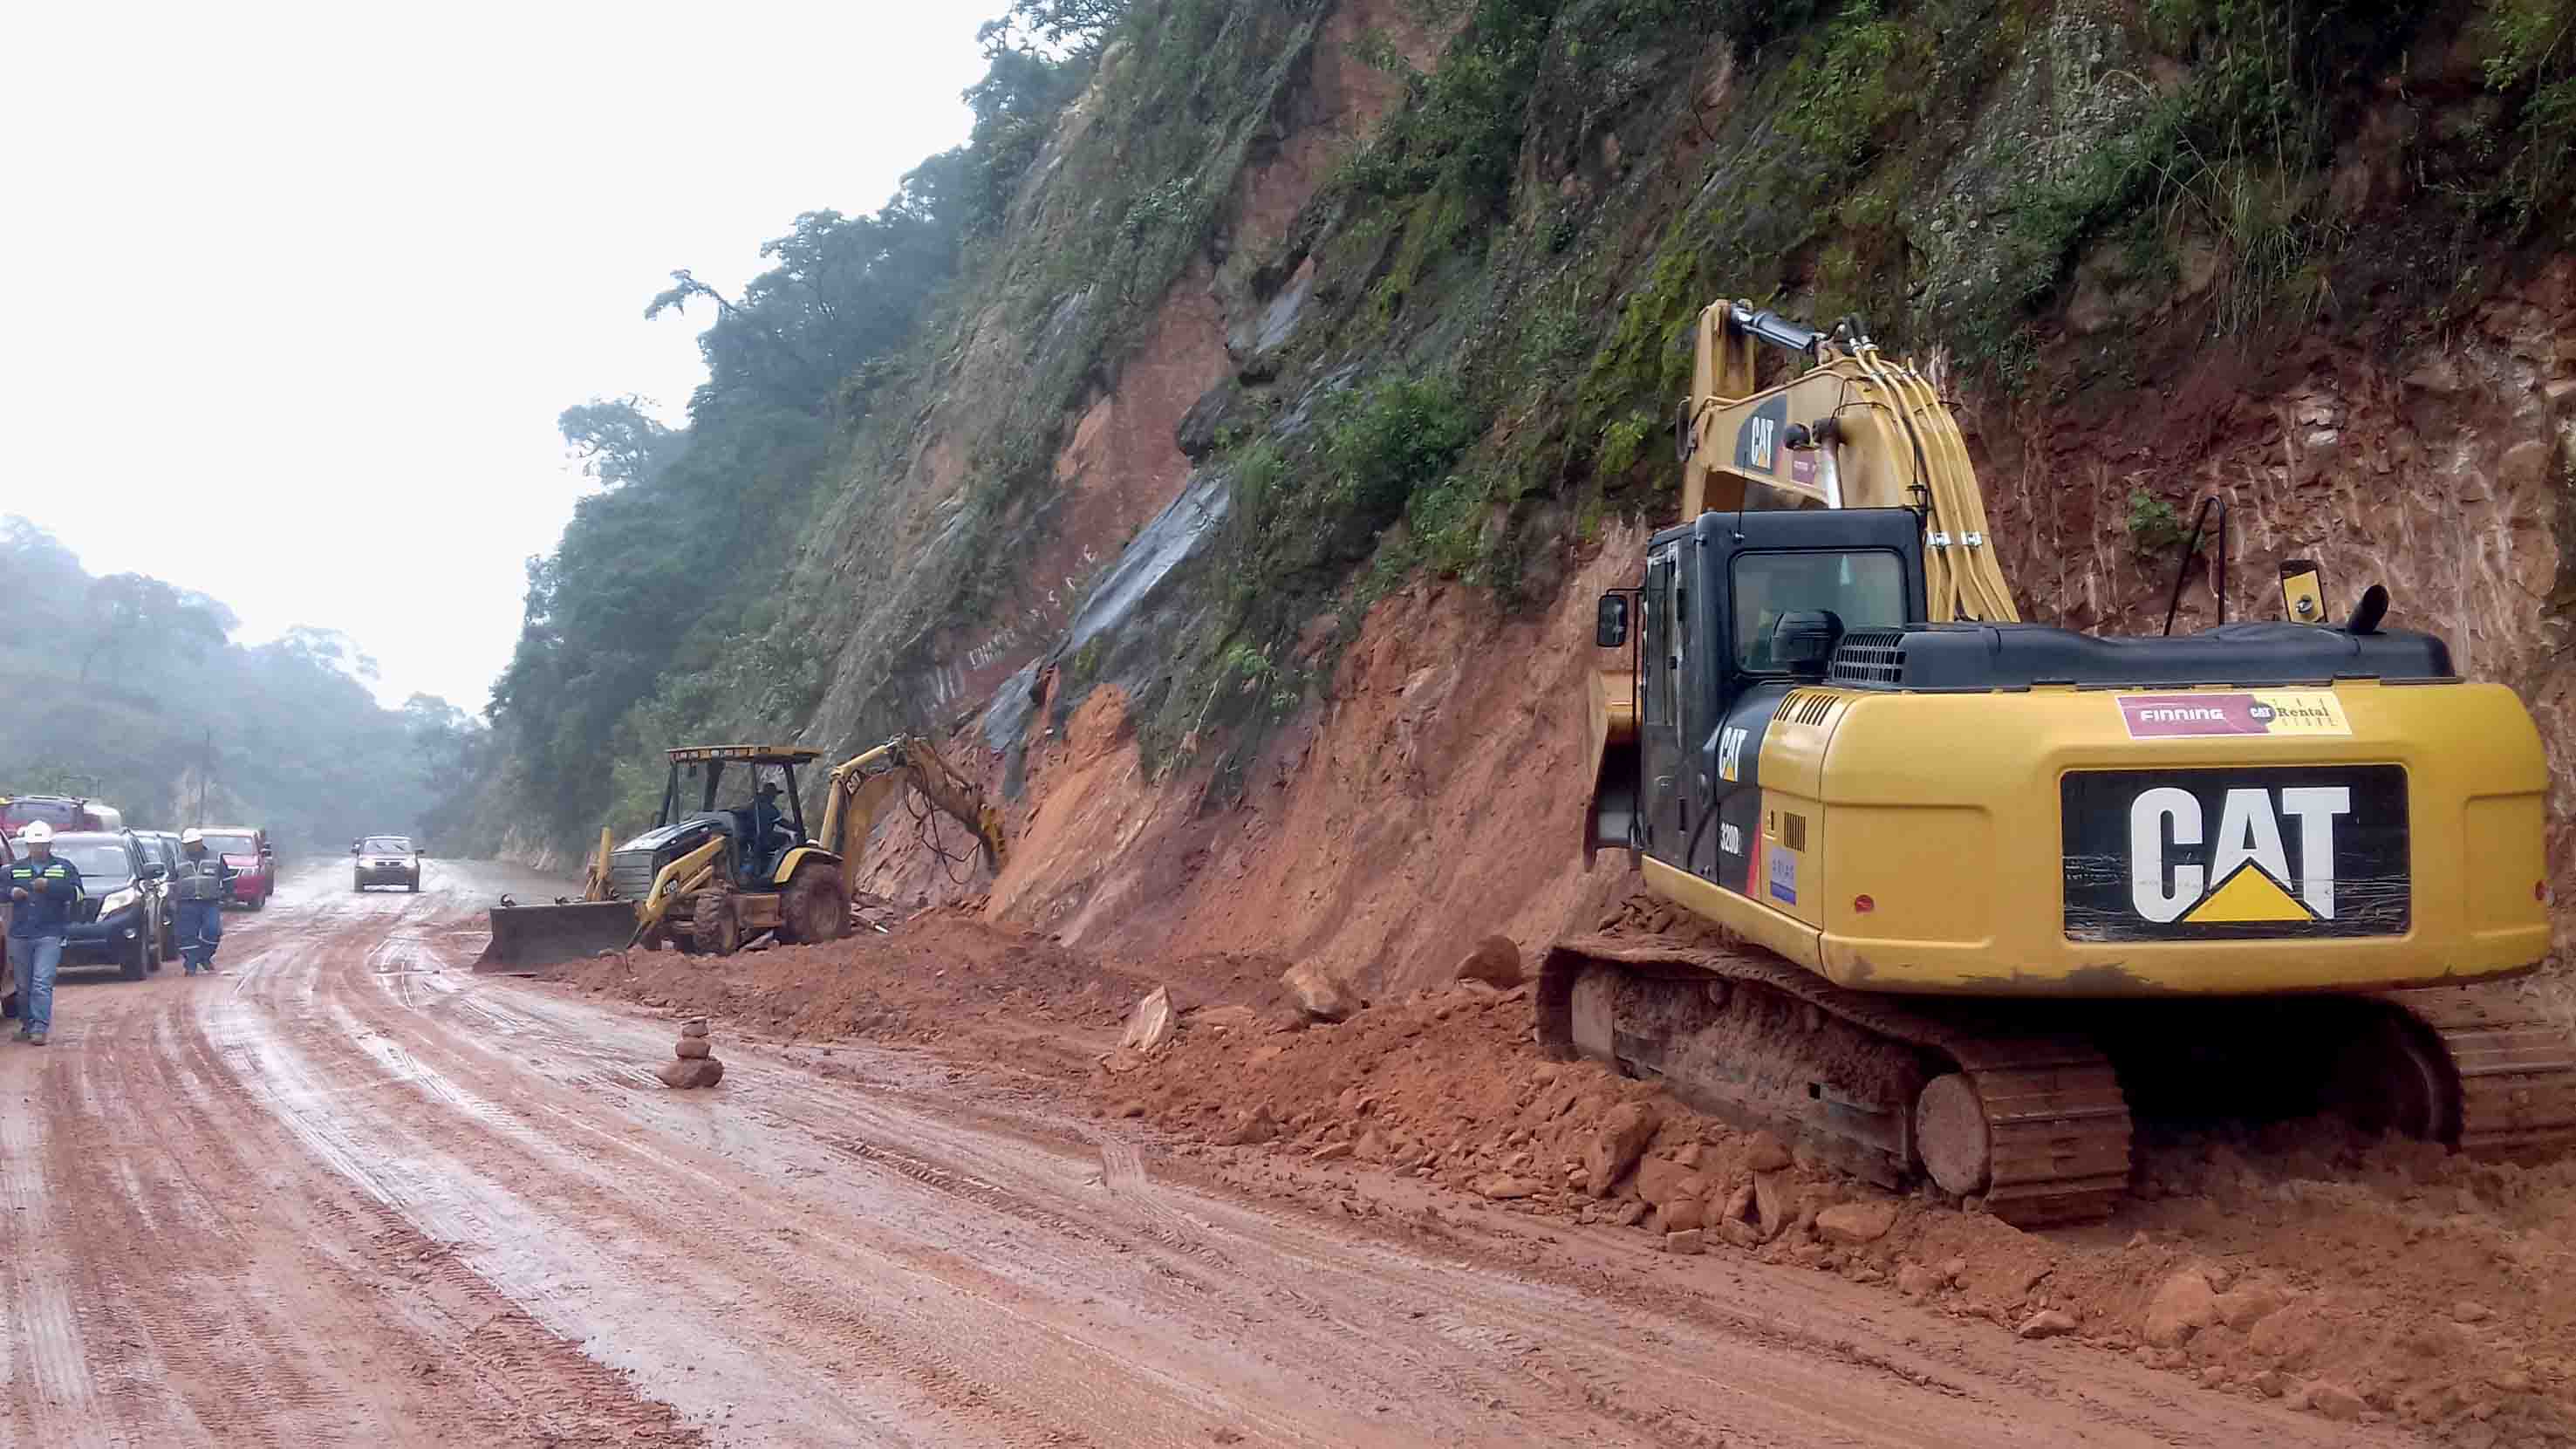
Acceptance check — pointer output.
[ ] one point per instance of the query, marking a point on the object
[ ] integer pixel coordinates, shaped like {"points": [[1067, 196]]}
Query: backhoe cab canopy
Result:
{"points": [[705, 771]]}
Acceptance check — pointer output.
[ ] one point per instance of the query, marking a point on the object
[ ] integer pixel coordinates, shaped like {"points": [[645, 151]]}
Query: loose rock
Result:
{"points": [[1857, 1222], [1503, 1187], [1617, 1143], [2181, 1308], [1765, 1154], [2046, 1323], [691, 1048], [2334, 1401], [2242, 1308], [1495, 961], [700, 1072], [1688, 1241], [695, 1026], [1319, 997], [1151, 1022]]}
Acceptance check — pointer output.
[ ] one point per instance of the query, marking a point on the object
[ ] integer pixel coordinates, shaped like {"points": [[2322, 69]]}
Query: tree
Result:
{"points": [[617, 441], [142, 619]]}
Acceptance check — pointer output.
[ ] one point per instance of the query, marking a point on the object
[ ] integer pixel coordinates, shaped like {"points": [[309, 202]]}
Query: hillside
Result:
{"points": [[1228, 442], [131, 690]]}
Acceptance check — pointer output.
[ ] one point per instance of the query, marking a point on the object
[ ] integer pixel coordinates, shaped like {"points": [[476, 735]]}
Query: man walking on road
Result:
{"points": [[200, 887], [42, 892]]}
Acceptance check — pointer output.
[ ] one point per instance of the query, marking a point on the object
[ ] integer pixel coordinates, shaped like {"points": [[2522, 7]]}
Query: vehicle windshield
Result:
{"points": [[386, 845], [225, 844], [22, 813], [100, 863], [1865, 589]]}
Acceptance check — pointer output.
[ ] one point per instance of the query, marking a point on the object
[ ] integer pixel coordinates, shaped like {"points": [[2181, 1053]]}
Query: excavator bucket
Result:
{"points": [[526, 937]]}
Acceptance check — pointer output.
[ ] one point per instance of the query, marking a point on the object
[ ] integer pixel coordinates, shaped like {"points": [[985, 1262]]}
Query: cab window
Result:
{"points": [[1865, 588]]}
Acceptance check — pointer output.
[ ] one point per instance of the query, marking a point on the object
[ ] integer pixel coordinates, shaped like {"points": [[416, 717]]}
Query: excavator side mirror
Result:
{"points": [[1804, 639], [1610, 628]]}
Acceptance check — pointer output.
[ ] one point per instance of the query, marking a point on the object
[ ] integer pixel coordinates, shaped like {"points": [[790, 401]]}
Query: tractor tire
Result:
{"points": [[816, 906], [714, 927]]}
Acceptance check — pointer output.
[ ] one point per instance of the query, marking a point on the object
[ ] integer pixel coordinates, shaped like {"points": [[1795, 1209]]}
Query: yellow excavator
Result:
{"points": [[707, 880], [1938, 894]]}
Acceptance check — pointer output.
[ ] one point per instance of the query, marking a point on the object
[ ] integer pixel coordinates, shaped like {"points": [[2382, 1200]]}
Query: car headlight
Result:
{"points": [[116, 901]]}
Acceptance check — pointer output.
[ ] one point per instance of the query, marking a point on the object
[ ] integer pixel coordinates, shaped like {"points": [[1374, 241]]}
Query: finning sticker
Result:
{"points": [[2251, 712]]}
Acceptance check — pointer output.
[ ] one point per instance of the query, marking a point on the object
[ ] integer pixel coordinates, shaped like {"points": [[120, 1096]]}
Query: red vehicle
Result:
{"points": [[245, 848], [63, 812]]}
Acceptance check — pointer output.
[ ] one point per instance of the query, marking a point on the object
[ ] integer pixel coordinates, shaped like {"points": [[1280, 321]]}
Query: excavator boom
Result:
{"points": [[861, 788]]}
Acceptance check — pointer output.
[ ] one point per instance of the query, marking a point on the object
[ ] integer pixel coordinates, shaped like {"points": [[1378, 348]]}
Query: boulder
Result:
{"points": [[1495, 961], [1914, 1280], [696, 1026], [1629, 1214], [2242, 1307], [1775, 1203], [2182, 1307], [1765, 1154], [1617, 1143], [1659, 1180], [1856, 1222], [1503, 1187], [692, 1048], [1319, 997], [1687, 1241], [1680, 1214], [695, 1072], [1151, 1022]]}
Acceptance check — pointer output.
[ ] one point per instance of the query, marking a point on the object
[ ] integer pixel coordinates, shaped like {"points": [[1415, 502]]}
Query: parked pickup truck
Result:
{"points": [[245, 848]]}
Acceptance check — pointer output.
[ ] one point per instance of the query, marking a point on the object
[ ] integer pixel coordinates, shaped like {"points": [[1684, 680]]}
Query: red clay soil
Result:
{"points": [[2386, 1280], [2382, 1281]]}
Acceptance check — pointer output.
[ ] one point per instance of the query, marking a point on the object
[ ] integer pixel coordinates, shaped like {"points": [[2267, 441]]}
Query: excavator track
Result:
{"points": [[2035, 1126], [2514, 1068]]}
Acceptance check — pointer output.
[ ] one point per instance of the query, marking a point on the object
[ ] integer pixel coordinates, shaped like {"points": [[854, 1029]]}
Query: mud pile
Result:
{"points": [[2365, 1280]]}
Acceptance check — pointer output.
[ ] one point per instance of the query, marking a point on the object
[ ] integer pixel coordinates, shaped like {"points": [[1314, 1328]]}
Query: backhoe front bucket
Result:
{"points": [[526, 937]]}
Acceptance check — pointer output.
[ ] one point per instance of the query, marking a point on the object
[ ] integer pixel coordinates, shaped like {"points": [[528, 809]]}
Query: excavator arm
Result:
{"points": [[862, 786], [1855, 430]]}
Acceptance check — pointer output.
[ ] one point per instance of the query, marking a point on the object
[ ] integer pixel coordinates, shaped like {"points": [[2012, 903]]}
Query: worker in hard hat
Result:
{"points": [[43, 889], [200, 888]]}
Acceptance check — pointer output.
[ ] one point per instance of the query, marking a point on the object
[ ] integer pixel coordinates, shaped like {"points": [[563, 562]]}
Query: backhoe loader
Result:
{"points": [[706, 880], [1939, 894]]}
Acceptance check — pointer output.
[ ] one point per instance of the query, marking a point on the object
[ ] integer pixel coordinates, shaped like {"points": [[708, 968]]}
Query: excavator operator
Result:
{"points": [[764, 833]]}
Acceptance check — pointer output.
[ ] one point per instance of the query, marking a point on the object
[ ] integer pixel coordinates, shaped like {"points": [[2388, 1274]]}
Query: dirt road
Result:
{"points": [[347, 1193]]}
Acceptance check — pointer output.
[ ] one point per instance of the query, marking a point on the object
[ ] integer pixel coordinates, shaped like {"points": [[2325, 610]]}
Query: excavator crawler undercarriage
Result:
{"points": [[2033, 1123]]}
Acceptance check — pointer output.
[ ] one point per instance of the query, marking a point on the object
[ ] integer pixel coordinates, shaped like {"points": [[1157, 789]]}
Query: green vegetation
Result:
{"points": [[128, 689], [1504, 282], [2154, 527]]}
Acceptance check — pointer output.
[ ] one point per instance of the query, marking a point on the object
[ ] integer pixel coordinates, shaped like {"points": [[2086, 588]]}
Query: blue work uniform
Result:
{"points": [[36, 929], [200, 888]]}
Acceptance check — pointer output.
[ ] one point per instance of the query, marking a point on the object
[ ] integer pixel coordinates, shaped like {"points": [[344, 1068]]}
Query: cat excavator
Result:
{"points": [[706, 880], [1933, 893]]}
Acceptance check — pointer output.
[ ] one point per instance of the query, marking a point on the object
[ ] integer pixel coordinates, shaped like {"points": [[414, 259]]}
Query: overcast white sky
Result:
{"points": [[295, 292]]}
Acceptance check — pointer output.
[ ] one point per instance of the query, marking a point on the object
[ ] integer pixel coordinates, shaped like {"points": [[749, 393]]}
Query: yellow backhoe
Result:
{"points": [[1939, 894], [707, 880]]}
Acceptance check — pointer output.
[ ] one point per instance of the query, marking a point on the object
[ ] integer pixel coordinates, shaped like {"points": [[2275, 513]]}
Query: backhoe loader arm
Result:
{"points": [[1855, 430], [862, 786]]}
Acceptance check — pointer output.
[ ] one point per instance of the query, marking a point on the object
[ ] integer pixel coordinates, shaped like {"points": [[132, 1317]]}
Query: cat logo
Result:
{"points": [[2258, 852], [1730, 752], [2248, 876]]}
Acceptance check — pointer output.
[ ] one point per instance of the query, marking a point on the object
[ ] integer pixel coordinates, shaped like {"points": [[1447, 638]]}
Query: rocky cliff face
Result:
{"points": [[1248, 523]]}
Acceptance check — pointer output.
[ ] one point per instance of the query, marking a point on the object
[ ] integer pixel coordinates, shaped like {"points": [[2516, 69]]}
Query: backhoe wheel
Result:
{"points": [[817, 904], [714, 927]]}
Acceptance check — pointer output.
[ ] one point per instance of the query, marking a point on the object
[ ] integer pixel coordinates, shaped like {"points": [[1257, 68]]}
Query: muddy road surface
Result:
{"points": [[349, 1193]]}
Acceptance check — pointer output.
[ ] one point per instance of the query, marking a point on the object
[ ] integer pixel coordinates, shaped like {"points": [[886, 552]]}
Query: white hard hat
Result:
{"points": [[38, 833], [192, 836]]}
